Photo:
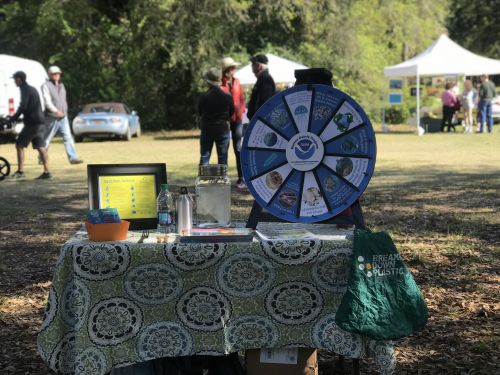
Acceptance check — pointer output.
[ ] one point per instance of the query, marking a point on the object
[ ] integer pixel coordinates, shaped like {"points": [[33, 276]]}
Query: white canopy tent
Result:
{"points": [[443, 57], [282, 71]]}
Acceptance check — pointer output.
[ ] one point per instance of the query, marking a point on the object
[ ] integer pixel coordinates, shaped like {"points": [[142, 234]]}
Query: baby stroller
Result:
{"points": [[4, 163]]}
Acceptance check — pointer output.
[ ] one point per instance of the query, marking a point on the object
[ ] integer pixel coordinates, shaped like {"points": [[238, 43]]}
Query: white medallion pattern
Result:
{"points": [[100, 261], [64, 253], [245, 275], [113, 321], [327, 335], [251, 331], [198, 256], [40, 349], [204, 309], [75, 303], [385, 357], [91, 361], [62, 359], [294, 302], [50, 309], [164, 339], [292, 252], [153, 284], [331, 270]]}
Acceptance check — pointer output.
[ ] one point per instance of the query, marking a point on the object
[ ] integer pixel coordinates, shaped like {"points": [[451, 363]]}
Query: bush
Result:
{"points": [[396, 114]]}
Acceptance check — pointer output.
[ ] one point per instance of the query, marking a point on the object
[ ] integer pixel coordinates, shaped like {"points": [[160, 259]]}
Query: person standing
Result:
{"points": [[56, 109], [215, 108], [486, 95], [31, 109], [450, 101], [264, 87], [231, 85], [468, 105]]}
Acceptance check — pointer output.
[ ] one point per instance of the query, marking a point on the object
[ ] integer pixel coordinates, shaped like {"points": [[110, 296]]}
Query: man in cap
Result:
{"points": [[264, 87], [487, 93], [56, 108], [31, 109], [215, 108], [231, 85]]}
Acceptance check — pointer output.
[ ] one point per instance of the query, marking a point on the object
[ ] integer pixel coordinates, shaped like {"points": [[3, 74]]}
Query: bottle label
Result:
{"points": [[165, 218]]}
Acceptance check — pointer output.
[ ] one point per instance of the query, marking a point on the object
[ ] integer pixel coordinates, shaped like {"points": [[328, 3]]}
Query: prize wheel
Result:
{"points": [[308, 153]]}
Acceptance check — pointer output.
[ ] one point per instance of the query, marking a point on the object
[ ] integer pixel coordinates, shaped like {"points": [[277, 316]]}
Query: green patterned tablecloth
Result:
{"points": [[115, 304]]}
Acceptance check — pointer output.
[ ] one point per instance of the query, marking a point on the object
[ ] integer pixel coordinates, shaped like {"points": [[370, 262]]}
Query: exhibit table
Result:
{"points": [[113, 304]]}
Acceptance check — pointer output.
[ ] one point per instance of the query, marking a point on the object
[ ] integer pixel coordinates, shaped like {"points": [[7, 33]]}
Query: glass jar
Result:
{"points": [[213, 196]]}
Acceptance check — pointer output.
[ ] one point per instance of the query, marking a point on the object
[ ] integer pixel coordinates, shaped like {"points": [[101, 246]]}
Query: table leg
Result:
{"points": [[355, 366]]}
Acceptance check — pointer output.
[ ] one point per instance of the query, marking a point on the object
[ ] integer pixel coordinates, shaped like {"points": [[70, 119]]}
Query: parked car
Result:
{"points": [[103, 120], [495, 108], [10, 95]]}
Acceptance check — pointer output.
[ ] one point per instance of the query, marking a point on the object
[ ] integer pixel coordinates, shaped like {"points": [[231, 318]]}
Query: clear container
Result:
{"points": [[165, 210], [213, 196]]}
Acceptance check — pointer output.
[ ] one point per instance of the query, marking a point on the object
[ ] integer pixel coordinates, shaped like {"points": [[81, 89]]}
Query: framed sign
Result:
{"points": [[130, 188], [396, 84], [395, 98], [308, 153]]}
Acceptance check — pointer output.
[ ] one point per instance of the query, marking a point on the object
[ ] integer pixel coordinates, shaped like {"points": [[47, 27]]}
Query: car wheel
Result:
{"points": [[128, 135], [78, 138], [138, 131]]}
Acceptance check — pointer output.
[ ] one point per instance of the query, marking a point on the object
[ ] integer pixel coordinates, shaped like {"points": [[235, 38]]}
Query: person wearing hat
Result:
{"points": [[56, 109], [33, 131], [215, 108], [231, 85], [264, 88]]}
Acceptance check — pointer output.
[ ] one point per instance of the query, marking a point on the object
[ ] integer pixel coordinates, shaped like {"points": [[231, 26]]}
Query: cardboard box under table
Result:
{"points": [[289, 361]]}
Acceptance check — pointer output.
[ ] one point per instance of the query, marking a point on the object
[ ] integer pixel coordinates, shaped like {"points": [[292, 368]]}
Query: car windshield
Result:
{"points": [[101, 110]]}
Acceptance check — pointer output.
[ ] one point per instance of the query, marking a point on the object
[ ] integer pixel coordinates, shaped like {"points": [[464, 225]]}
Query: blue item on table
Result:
{"points": [[103, 216]]}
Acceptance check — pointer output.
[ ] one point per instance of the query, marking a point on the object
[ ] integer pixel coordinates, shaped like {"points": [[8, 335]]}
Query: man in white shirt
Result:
{"points": [[56, 111]]}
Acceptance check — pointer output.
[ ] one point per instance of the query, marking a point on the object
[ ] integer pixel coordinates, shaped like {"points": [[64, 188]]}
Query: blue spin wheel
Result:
{"points": [[308, 153]]}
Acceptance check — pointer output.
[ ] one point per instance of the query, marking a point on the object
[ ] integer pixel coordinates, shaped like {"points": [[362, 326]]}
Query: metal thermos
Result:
{"points": [[184, 213]]}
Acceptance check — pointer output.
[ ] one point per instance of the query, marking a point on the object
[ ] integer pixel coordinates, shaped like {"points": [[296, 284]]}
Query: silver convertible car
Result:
{"points": [[98, 120]]}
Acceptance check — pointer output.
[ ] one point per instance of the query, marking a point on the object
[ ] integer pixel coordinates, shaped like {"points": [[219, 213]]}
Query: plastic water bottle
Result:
{"points": [[165, 209], [184, 213]]}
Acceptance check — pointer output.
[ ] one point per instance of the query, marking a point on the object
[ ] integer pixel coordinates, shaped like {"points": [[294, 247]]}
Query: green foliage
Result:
{"points": [[475, 26], [396, 114], [151, 54]]}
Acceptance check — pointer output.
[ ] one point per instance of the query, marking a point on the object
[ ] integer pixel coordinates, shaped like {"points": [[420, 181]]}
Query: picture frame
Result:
{"points": [[395, 84], [130, 188], [395, 98]]}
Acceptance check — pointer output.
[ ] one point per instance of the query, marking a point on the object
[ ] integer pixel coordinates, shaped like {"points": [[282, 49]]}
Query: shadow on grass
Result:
{"points": [[176, 137], [445, 224]]}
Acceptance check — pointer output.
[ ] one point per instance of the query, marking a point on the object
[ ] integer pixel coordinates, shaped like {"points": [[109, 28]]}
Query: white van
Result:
{"points": [[10, 94]]}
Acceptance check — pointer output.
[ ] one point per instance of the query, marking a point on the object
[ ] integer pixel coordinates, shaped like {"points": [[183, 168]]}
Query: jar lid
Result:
{"points": [[213, 170]]}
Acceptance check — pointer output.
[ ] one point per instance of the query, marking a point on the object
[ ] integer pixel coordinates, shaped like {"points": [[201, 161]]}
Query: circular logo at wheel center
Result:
{"points": [[305, 151]]}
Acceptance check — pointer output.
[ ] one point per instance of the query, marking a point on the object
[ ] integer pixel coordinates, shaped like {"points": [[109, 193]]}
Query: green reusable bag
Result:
{"points": [[382, 300]]}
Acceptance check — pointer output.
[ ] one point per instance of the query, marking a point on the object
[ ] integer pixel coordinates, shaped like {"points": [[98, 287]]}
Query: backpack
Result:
{"points": [[382, 300]]}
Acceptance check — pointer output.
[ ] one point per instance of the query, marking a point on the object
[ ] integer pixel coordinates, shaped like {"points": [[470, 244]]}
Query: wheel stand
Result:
{"points": [[352, 216]]}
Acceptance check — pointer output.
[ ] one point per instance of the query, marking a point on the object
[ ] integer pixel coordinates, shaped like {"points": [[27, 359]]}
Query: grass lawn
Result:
{"points": [[438, 195]]}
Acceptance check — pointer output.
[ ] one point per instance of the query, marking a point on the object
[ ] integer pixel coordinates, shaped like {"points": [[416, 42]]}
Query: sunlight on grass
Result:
{"points": [[473, 153]]}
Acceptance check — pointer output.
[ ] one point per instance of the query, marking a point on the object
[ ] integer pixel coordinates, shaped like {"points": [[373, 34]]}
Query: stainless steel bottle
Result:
{"points": [[184, 213]]}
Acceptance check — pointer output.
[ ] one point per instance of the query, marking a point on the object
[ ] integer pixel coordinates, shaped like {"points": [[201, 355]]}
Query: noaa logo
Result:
{"points": [[300, 110], [304, 149]]}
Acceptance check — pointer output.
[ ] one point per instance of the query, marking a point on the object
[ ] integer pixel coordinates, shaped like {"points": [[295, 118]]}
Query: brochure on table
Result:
{"points": [[308, 153]]}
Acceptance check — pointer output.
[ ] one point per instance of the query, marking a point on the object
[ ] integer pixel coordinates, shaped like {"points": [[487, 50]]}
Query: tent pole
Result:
{"points": [[418, 102]]}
